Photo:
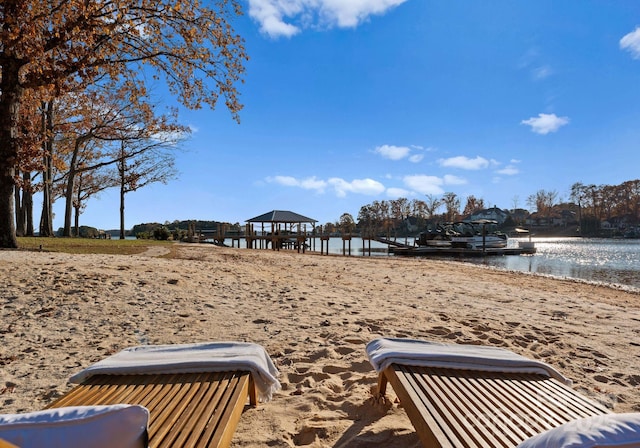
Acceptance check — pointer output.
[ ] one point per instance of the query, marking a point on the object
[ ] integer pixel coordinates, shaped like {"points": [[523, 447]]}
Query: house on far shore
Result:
{"points": [[494, 214]]}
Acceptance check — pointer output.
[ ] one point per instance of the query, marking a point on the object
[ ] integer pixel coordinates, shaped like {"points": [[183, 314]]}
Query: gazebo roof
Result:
{"points": [[282, 216]]}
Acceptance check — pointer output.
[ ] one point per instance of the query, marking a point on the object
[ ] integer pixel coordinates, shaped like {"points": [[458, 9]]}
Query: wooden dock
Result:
{"points": [[394, 243], [428, 251]]}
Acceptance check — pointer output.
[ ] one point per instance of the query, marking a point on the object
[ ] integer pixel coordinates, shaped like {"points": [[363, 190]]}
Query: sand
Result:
{"points": [[314, 314]]}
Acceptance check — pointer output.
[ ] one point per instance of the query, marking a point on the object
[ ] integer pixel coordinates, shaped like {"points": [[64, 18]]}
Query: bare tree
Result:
{"points": [[347, 224], [473, 205], [101, 122], [433, 204], [452, 204], [543, 201], [141, 164], [87, 185], [515, 202]]}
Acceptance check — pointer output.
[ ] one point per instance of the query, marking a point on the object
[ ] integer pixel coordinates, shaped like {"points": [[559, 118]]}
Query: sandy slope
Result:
{"points": [[314, 314]]}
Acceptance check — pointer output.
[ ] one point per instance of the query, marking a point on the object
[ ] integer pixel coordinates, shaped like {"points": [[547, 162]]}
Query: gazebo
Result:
{"points": [[280, 228]]}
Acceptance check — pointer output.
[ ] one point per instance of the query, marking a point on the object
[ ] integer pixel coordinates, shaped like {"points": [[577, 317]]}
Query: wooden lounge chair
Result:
{"points": [[471, 408], [458, 408], [195, 393], [186, 410]]}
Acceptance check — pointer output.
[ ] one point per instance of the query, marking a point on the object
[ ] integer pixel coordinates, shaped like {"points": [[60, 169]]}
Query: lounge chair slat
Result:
{"points": [[497, 402], [522, 397], [172, 403], [435, 403], [201, 415], [466, 406], [421, 412], [229, 415], [487, 411], [443, 402], [582, 405], [559, 403], [522, 394]]}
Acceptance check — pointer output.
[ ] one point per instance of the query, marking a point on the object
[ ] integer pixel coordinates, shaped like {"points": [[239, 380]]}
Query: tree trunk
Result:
{"points": [[24, 207], [46, 218], [10, 97], [77, 207], [68, 196], [68, 203], [76, 220], [27, 206], [121, 172], [21, 226]]}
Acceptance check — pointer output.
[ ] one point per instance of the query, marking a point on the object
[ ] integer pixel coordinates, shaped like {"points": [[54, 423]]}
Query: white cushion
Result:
{"points": [[610, 430], [119, 425]]}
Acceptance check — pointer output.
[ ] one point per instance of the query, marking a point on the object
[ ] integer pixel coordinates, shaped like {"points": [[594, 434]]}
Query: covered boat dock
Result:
{"points": [[280, 229]]}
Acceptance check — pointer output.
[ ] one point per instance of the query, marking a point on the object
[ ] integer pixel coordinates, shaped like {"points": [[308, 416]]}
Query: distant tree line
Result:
{"points": [[588, 207], [619, 203], [180, 230]]}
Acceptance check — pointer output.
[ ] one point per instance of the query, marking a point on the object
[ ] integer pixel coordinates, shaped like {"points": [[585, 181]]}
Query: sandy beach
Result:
{"points": [[314, 314]]}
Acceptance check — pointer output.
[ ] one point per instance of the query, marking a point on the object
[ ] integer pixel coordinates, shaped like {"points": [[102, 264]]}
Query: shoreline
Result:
{"points": [[314, 314], [614, 286]]}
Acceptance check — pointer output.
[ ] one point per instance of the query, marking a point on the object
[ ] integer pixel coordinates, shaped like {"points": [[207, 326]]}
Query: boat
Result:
{"points": [[438, 237], [479, 234]]}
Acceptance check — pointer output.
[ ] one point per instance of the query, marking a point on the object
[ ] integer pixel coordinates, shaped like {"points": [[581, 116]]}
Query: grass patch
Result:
{"points": [[89, 245]]}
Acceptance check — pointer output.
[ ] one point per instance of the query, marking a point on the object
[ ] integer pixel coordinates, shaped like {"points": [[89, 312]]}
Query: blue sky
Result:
{"points": [[352, 101]]}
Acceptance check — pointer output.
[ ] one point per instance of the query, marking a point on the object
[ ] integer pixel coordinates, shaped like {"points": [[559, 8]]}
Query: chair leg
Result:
{"points": [[253, 392], [382, 384]]}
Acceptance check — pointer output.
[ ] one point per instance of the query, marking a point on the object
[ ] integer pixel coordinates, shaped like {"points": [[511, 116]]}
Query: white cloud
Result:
{"points": [[340, 186], [533, 62], [287, 181], [392, 152], [171, 138], [509, 170], [545, 123], [542, 72], [359, 186], [398, 192], [464, 163], [454, 180], [631, 43], [274, 15], [310, 183], [349, 13], [424, 184]]}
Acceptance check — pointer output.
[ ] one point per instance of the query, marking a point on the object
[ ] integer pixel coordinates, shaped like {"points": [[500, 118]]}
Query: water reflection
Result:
{"points": [[592, 259]]}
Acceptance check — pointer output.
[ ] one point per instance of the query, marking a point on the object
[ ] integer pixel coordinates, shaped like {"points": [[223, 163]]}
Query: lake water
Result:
{"points": [[599, 260]]}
